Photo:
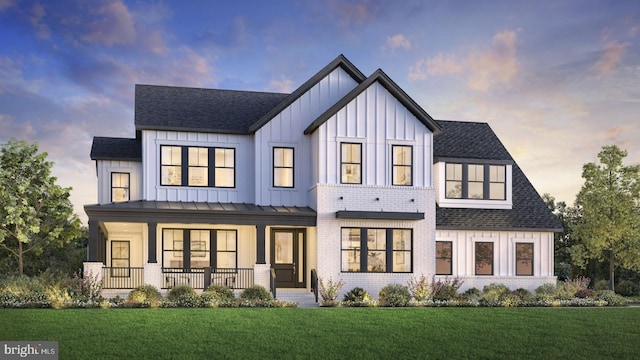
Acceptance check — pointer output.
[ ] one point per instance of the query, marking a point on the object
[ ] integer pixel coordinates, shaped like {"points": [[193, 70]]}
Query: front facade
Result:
{"points": [[346, 177]]}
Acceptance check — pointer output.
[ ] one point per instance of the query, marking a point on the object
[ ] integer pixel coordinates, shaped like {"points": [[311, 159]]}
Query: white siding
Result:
{"points": [[377, 120], [287, 130], [463, 255], [106, 167], [244, 167]]}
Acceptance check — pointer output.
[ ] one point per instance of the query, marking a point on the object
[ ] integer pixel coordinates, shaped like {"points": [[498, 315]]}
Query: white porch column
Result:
{"points": [[153, 275], [261, 274]]}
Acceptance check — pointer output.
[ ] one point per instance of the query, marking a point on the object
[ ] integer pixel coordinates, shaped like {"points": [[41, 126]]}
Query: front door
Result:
{"points": [[288, 257]]}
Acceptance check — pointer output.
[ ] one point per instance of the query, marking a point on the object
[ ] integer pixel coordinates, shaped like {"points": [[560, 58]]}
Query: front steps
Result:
{"points": [[303, 297]]}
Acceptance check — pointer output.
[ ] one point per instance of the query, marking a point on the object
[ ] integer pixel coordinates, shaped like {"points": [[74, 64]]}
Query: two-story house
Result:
{"points": [[347, 177]]}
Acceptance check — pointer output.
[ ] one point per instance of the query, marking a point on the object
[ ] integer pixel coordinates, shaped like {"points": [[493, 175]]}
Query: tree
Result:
{"points": [[34, 212], [565, 240], [610, 222]]}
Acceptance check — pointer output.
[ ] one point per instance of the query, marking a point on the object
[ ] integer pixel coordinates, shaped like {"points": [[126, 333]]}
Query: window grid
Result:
{"points": [[475, 181], [120, 258], [351, 163], [198, 166], [170, 165], [283, 170], [377, 250], [120, 183], [224, 167], [402, 165]]}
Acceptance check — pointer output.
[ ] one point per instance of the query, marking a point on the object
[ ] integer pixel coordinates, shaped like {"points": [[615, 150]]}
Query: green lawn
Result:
{"points": [[353, 333]]}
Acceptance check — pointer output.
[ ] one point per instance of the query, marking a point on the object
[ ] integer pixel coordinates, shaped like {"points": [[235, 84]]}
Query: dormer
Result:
{"points": [[471, 167]]}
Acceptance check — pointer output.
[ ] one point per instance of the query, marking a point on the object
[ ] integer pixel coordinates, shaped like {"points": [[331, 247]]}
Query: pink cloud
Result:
{"points": [[398, 41], [610, 58], [352, 11], [282, 85], [114, 26], [42, 29]]}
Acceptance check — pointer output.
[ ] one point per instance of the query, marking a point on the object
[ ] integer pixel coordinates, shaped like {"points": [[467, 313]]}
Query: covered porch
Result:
{"points": [[166, 244]]}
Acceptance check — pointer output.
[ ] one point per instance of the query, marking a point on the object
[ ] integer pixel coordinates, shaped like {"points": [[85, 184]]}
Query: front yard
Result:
{"points": [[353, 333]]}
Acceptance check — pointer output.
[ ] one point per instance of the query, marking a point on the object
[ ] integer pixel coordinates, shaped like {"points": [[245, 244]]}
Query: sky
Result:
{"points": [[556, 80]]}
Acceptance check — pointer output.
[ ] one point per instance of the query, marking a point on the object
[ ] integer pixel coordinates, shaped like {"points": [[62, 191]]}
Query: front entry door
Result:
{"points": [[288, 251]]}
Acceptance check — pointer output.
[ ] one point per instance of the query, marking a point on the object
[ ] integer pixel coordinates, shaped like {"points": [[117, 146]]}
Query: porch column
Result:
{"points": [[93, 248], [151, 242], [260, 244]]}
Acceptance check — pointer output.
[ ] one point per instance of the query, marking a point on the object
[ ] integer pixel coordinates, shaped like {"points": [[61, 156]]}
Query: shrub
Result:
{"points": [[491, 293], [611, 298], [546, 289], [472, 294], [329, 291], [445, 289], [179, 291], [256, 292], [510, 300], [147, 294], [419, 289], [357, 294], [579, 283], [220, 293], [85, 287], [627, 288], [394, 295], [601, 284], [585, 294], [23, 291], [523, 294]]}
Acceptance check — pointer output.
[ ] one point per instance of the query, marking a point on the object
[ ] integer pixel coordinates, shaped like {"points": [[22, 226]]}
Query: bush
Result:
{"points": [[546, 289], [472, 294], [420, 289], [179, 291], [579, 283], [357, 294], [220, 293], [585, 294], [627, 288], [329, 291], [611, 298], [446, 289], [492, 293], [601, 284], [23, 291], [256, 292], [394, 295], [147, 294], [85, 287], [510, 300]]}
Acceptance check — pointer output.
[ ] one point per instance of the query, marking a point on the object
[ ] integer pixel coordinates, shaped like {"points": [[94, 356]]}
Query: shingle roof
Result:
{"points": [[206, 110], [468, 140], [107, 148]]}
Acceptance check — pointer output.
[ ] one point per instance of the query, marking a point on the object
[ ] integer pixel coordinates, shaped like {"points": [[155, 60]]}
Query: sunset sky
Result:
{"points": [[556, 80]]}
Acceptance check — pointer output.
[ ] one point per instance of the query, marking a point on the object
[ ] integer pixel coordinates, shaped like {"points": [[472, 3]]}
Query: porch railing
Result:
{"points": [[234, 278], [272, 282], [314, 283], [172, 277], [122, 277]]}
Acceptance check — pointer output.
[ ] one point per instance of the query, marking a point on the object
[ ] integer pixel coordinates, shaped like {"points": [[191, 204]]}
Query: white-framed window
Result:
{"points": [[283, 170]]}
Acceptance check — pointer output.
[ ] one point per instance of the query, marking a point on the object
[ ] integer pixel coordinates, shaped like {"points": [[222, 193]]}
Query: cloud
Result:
{"points": [[42, 29], [282, 85], [352, 12], [10, 125], [5, 4], [610, 58], [114, 25], [12, 78], [398, 41], [485, 69]]}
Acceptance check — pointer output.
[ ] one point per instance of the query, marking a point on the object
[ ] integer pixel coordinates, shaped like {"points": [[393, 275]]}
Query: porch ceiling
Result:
{"points": [[202, 212]]}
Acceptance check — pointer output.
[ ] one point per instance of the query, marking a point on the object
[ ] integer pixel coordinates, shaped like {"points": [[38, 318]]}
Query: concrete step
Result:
{"points": [[304, 299]]}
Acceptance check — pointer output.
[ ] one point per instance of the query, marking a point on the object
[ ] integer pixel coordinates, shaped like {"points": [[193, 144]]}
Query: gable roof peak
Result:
{"points": [[340, 61]]}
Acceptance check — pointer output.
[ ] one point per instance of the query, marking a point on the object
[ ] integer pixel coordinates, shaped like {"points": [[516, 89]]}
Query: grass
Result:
{"points": [[328, 333]]}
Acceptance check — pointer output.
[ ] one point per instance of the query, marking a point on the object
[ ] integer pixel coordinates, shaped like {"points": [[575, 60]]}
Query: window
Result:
{"points": [[191, 166], [524, 259], [497, 182], [444, 258], [402, 165], [475, 181], [225, 172], [119, 187], [351, 163], [453, 181], [120, 258], [191, 248], [170, 165], [198, 166], [282, 167], [377, 250], [484, 258]]}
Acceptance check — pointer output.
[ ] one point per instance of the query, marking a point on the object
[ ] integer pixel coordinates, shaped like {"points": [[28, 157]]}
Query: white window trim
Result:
{"points": [[444, 202]]}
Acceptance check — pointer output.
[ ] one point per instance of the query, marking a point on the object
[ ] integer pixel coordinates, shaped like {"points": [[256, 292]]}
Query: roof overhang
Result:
{"points": [[379, 215], [201, 213]]}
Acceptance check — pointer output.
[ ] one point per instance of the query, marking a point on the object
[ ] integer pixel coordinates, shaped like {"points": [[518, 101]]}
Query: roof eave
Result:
{"points": [[189, 129]]}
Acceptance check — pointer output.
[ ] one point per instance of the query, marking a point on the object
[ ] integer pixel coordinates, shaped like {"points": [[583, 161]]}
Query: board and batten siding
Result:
{"points": [[286, 129], [106, 167], [504, 257], [378, 120], [244, 167]]}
